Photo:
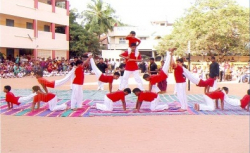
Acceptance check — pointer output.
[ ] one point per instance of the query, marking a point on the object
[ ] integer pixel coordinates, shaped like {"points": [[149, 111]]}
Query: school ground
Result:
{"points": [[132, 134]]}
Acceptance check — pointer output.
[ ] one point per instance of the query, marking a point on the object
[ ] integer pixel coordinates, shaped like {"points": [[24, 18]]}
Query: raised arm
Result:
{"points": [[110, 87], [124, 105], [86, 62]]}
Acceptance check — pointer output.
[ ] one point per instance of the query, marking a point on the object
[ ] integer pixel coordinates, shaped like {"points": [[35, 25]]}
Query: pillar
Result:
{"points": [[53, 3], [53, 54], [35, 28], [16, 52], [67, 7], [35, 53], [67, 55], [52, 30], [36, 4], [67, 32], [153, 54]]}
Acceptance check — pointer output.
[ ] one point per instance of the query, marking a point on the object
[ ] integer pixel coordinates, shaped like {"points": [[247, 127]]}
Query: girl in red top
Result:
{"points": [[180, 83], [49, 98], [53, 84], [151, 97], [11, 99], [100, 76], [133, 40], [209, 98], [111, 98], [243, 103], [153, 79], [77, 93], [131, 68]]}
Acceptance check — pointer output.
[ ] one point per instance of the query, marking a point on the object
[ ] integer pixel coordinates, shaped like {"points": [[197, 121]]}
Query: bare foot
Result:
{"points": [[182, 110], [196, 107]]}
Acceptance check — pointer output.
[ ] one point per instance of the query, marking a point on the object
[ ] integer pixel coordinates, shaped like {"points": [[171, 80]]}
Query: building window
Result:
{"points": [[46, 28], [29, 25], [10, 22], [162, 24], [122, 40], [143, 38]]}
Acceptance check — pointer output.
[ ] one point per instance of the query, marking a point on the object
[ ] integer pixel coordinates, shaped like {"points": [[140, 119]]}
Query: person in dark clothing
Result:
{"points": [[143, 67], [152, 67], [74, 62], [214, 69], [102, 67]]}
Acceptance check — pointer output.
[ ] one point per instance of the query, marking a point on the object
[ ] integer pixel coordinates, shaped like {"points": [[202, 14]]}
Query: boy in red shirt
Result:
{"points": [[77, 93], [111, 98], [49, 98], [153, 79], [209, 98], [180, 83], [210, 82], [11, 99], [100, 76], [243, 103], [151, 97], [133, 40], [131, 68], [53, 84]]}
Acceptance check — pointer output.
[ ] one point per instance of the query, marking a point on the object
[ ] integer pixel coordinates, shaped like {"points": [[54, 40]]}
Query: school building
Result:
{"points": [[34, 27]]}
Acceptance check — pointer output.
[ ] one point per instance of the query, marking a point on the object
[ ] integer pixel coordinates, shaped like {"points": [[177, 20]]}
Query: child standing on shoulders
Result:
{"points": [[132, 39], [111, 98], [11, 99]]}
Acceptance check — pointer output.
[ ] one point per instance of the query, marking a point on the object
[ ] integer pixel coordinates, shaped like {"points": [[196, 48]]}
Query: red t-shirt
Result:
{"points": [[43, 97], [79, 76], [46, 83], [245, 101], [208, 82], [10, 97], [178, 74], [116, 96], [132, 40], [147, 96], [131, 65], [106, 78], [216, 95], [157, 78]]}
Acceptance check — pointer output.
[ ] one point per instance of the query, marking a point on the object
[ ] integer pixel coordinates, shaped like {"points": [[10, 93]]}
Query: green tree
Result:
{"points": [[81, 40], [212, 26], [99, 17]]}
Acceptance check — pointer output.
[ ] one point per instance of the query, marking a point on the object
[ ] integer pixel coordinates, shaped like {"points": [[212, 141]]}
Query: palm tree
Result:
{"points": [[99, 17]]}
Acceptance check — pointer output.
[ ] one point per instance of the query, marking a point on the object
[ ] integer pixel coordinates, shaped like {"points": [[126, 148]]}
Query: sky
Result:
{"points": [[141, 12]]}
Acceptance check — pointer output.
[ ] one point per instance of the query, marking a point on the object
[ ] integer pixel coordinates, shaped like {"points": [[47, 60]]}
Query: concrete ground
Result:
{"points": [[148, 134]]}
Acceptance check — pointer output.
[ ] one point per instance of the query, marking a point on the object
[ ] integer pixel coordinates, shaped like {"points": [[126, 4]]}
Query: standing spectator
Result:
{"points": [[214, 71], [112, 63], [152, 67], [102, 67]]}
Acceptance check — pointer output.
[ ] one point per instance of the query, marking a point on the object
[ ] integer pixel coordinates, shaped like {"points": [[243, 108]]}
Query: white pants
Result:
{"points": [[166, 64], [124, 83], [71, 80], [193, 78], [66, 78], [97, 72], [77, 96], [181, 94], [210, 104], [26, 99], [233, 102], [155, 89], [106, 106], [54, 107], [154, 106], [214, 86], [121, 77]]}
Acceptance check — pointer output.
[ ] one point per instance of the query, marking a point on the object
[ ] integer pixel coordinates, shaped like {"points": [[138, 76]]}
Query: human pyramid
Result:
{"points": [[132, 56]]}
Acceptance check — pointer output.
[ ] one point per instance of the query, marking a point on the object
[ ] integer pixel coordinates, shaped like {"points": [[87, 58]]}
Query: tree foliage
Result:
{"points": [[81, 40], [99, 17], [212, 26]]}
